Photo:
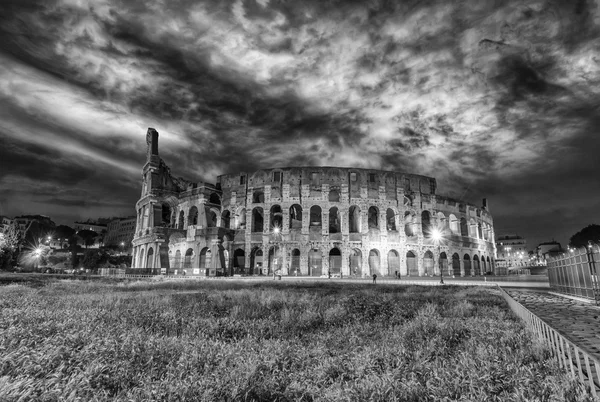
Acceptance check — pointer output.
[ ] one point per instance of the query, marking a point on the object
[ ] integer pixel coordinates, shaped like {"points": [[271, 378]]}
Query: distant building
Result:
{"points": [[120, 231], [548, 249], [95, 226], [5, 222], [25, 221], [512, 251]]}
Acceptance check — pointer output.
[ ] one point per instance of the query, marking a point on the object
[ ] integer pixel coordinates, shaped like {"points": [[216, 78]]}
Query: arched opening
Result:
{"points": [[274, 260], [467, 264], [211, 217], [180, 223], [411, 264], [390, 218], [315, 216], [374, 262], [354, 219], [334, 196], [373, 218], [335, 261], [241, 219], [256, 261], [426, 224], [150, 258], [335, 224], [315, 262], [443, 263], [408, 224], [276, 217], [258, 197], [480, 230], [193, 216], [441, 221], [214, 199], [456, 265], [472, 228], [355, 262], [165, 214], [205, 255], [239, 261], [428, 263], [226, 219], [483, 266], [295, 263], [177, 260], [453, 223], [295, 217], [140, 263], [187, 259], [258, 220], [464, 229], [173, 223], [393, 263], [476, 267]]}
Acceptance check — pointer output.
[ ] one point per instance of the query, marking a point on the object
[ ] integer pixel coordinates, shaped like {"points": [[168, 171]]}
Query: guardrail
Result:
{"points": [[583, 367]]}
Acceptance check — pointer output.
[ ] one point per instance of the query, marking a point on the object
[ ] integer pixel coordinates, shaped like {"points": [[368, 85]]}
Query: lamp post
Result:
{"points": [[436, 235], [122, 245]]}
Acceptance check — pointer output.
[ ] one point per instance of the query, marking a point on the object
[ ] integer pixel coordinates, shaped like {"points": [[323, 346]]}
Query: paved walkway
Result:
{"points": [[576, 320]]}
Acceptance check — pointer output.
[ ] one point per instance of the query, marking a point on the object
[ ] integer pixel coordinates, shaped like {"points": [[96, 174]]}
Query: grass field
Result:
{"points": [[226, 340]]}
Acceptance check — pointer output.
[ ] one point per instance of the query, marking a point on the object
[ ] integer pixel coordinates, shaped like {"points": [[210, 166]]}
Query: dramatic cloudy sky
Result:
{"points": [[496, 99]]}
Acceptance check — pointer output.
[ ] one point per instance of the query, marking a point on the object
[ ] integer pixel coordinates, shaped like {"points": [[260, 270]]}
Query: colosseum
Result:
{"points": [[306, 221]]}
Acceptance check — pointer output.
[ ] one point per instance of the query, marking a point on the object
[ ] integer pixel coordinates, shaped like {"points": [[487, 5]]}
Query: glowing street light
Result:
{"points": [[436, 236]]}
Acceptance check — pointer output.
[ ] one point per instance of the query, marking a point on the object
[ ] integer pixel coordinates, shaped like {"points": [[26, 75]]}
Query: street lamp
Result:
{"points": [[122, 245], [436, 236]]}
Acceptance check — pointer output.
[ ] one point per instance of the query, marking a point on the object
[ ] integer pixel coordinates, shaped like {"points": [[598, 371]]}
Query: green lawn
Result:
{"points": [[220, 340]]}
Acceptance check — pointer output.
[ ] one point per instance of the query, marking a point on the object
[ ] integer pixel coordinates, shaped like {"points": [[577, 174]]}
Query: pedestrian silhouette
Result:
{"points": [[374, 277]]}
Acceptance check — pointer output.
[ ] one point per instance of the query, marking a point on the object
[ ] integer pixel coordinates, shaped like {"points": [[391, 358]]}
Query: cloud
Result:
{"points": [[497, 97]]}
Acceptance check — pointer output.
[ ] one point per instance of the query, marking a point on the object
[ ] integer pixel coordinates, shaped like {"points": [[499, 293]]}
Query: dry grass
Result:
{"points": [[226, 340]]}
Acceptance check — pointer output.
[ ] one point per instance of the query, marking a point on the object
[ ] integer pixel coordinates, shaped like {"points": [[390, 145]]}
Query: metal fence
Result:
{"points": [[574, 273], [580, 364]]}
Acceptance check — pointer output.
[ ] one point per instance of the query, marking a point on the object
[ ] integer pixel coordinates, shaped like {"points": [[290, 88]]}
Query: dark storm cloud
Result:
{"points": [[493, 97]]}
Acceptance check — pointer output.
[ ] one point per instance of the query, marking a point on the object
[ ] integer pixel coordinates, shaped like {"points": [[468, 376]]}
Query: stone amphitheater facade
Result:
{"points": [[306, 221]]}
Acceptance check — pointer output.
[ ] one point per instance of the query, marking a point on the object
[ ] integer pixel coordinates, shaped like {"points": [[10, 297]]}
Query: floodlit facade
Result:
{"points": [[306, 221]]}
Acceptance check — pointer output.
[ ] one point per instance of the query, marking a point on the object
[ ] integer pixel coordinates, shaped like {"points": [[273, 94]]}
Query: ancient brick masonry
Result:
{"points": [[306, 221]]}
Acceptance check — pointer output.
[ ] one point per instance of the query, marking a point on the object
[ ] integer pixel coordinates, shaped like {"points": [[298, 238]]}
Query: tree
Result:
{"points": [[87, 236], [588, 233], [10, 246], [64, 232]]}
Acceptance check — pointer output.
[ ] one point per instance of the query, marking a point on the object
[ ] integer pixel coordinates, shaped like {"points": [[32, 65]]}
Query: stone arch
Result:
{"points": [[258, 220], [315, 216], [258, 197], [455, 264], [140, 263], [295, 263], [241, 219], [390, 217], [408, 224], [426, 223], [476, 266], [205, 255], [150, 258], [479, 230], [177, 261], [472, 228], [443, 262], [483, 265], [335, 261], [334, 196], [256, 261], [165, 214], [355, 262], [335, 221], [193, 216], [464, 228], [467, 264], [173, 222], [239, 261], [442, 222], [393, 263], [315, 262], [373, 217], [211, 217], [428, 263], [188, 257], [411, 263], [295, 217], [274, 260], [214, 199], [354, 219], [453, 224], [181, 221], [226, 219], [276, 217], [374, 262]]}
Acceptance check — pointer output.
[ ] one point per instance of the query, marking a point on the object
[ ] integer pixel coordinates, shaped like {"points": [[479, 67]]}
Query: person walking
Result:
{"points": [[374, 278]]}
